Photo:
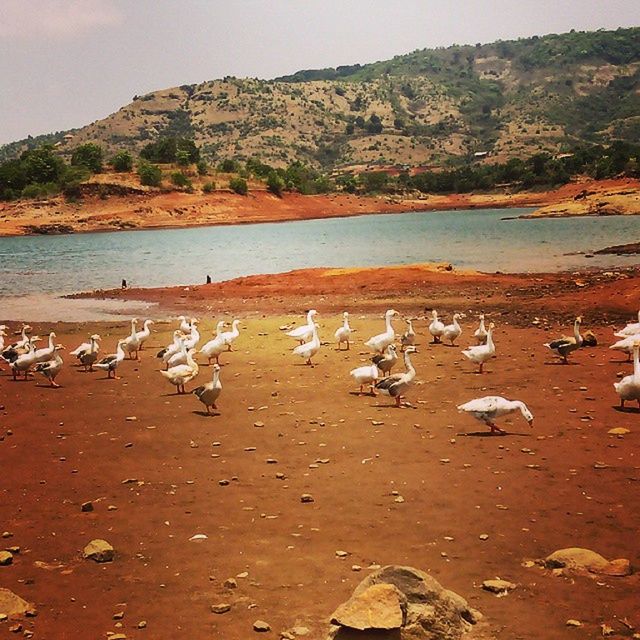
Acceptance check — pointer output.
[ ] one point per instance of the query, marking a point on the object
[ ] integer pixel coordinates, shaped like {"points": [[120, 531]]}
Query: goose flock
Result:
{"points": [[180, 366]]}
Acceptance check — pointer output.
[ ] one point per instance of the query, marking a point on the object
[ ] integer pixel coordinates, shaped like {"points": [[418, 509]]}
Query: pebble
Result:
{"points": [[258, 424], [223, 607], [142, 624], [306, 497], [342, 554], [573, 623], [86, 506], [484, 536], [6, 558], [261, 626], [231, 583], [223, 483]]}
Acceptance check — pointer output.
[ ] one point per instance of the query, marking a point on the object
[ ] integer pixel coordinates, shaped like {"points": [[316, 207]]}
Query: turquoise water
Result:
{"points": [[477, 239]]}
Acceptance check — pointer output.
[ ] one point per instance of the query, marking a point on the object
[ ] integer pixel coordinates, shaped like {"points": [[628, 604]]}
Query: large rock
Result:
{"points": [[99, 551], [380, 606], [581, 560], [429, 611], [13, 605]]}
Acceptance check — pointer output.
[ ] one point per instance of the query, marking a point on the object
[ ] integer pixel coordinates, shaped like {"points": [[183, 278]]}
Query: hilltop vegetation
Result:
{"points": [[441, 108]]}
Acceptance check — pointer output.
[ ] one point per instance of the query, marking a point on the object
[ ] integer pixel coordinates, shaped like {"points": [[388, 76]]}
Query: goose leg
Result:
{"points": [[398, 400], [481, 365], [621, 403]]}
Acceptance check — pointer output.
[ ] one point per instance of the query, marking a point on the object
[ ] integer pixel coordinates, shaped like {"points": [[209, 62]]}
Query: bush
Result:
{"points": [[239, 185], [182, 158], [202, 167], [208, 187], [88, 155], [122, 162], [150, 174], [181, 180], [229, 165], [275, 184]]}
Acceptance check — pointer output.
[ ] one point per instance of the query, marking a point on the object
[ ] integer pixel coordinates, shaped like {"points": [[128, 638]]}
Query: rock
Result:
{"points": [[99, 551], [301, 631], [223, 607], [379, 606], [13, 605], [6, 558], [573, 623], [484, 536], [429, 611], [618, 431], [86, 506], [586, 561], [306, 497], [498, 586], [142, 624], [261, 626], [231, 583]]}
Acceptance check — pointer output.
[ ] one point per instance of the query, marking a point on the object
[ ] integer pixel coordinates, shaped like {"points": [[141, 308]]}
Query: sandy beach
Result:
{"points": [[158, 471]]}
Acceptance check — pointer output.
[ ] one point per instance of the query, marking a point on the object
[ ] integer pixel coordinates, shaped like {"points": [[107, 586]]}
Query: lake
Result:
{"points": [[474, 239]]}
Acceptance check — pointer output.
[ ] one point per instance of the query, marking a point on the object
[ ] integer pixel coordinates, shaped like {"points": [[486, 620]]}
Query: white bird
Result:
{"points": [[488, 408], [436, 328], [309, 349], [173, 348], [89, 356], [565, 345], [482, 352], [343, 333], [214, 348], [631, 329], [408, 337], [45, 354], [229, 336], [380, 342], [193, 338], [21, 347], [452, 331], [396, 385], [145, 333], [51, 368], [481, 332], [85, 346], [208, 393], [304, 332], [368, 374], [131, 344], [180, 357], [626, 344], [185, 325], [24, 361], [386, 361], [629, 387], [183, 373], [110, 363]]}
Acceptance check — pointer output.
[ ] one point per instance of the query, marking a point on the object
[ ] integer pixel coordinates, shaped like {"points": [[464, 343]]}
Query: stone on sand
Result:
{"points": [[498, 586], [99, 551], [584, 560], [12, 605], [379, 606], [261, 626], [428, 610], [6, 558]]}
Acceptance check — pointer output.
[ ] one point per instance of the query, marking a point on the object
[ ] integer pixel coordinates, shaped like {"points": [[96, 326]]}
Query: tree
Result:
{"points": [[182, 158], [181, 180], [239, 185], [42, 165], [202, 167], [88, 155], [150, 174], [122, 162], [275, 184]]}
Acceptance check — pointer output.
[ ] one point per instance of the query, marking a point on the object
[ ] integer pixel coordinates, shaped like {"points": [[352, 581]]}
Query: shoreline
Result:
{"points": [[168, 210]]}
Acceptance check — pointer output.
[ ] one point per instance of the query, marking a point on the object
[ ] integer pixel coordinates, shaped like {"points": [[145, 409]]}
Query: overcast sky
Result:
{"points": [[65, 63]]}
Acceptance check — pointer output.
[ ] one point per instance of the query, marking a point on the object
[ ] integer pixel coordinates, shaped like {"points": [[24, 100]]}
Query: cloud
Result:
{"points": [[64, 19]]}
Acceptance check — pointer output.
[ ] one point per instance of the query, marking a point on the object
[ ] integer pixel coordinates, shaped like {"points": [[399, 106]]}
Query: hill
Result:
{"points": [[430, 107]]}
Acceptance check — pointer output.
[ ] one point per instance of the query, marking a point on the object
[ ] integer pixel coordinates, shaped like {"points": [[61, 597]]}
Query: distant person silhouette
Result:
{"points": [[124, 283], [208, 279]]}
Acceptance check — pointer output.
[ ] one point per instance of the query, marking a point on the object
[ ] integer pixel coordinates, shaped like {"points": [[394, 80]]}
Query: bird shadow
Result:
{"points": [[364, 393], [489, 434], [626, 409], [560, 363], [627, 361], [205, 414]]}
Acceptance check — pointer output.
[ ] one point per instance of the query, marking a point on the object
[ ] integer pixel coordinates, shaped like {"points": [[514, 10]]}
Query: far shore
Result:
{"points": [[174, 209]]}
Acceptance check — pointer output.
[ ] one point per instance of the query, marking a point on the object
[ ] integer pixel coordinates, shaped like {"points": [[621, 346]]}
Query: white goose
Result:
{"points": [[51, 368], [45, 354], [229, 336], [193, 338], [626, 345], [208, 393], [343, 333], [481, 332], [185, 324], [631, 329], [213, 349], [565, 345], [409, 336], [387, 360], [380, 342], [180, 357], [145, 333], [452, 331], [110, 363], [436, 328], [131, 344], [396, 385], [3, 335], [629, 387], [482, 352], [84, 347], [24, 361], [304, 333], [183, 373], [488, 408], [368, 374], [173, 348], [309, 349], [89, 357]]}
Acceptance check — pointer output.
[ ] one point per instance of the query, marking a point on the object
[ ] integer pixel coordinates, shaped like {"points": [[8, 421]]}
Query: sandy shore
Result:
{"points": [[152, 464], [152, 209]]}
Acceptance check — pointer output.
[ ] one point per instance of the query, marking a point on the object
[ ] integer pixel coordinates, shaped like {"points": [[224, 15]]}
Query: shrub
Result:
{"points": [[150, 174], [275, 184], [88, 155], [122, 162], [202, 167], [239, 185], [208, 187], [181, 180]]}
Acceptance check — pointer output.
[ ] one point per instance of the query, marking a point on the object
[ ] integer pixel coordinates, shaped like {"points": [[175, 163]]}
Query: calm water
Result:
{"points": [[468, 239]]}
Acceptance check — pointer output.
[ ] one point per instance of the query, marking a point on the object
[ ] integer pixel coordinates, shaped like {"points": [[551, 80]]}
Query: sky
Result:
{"points": [[66, 63]]}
